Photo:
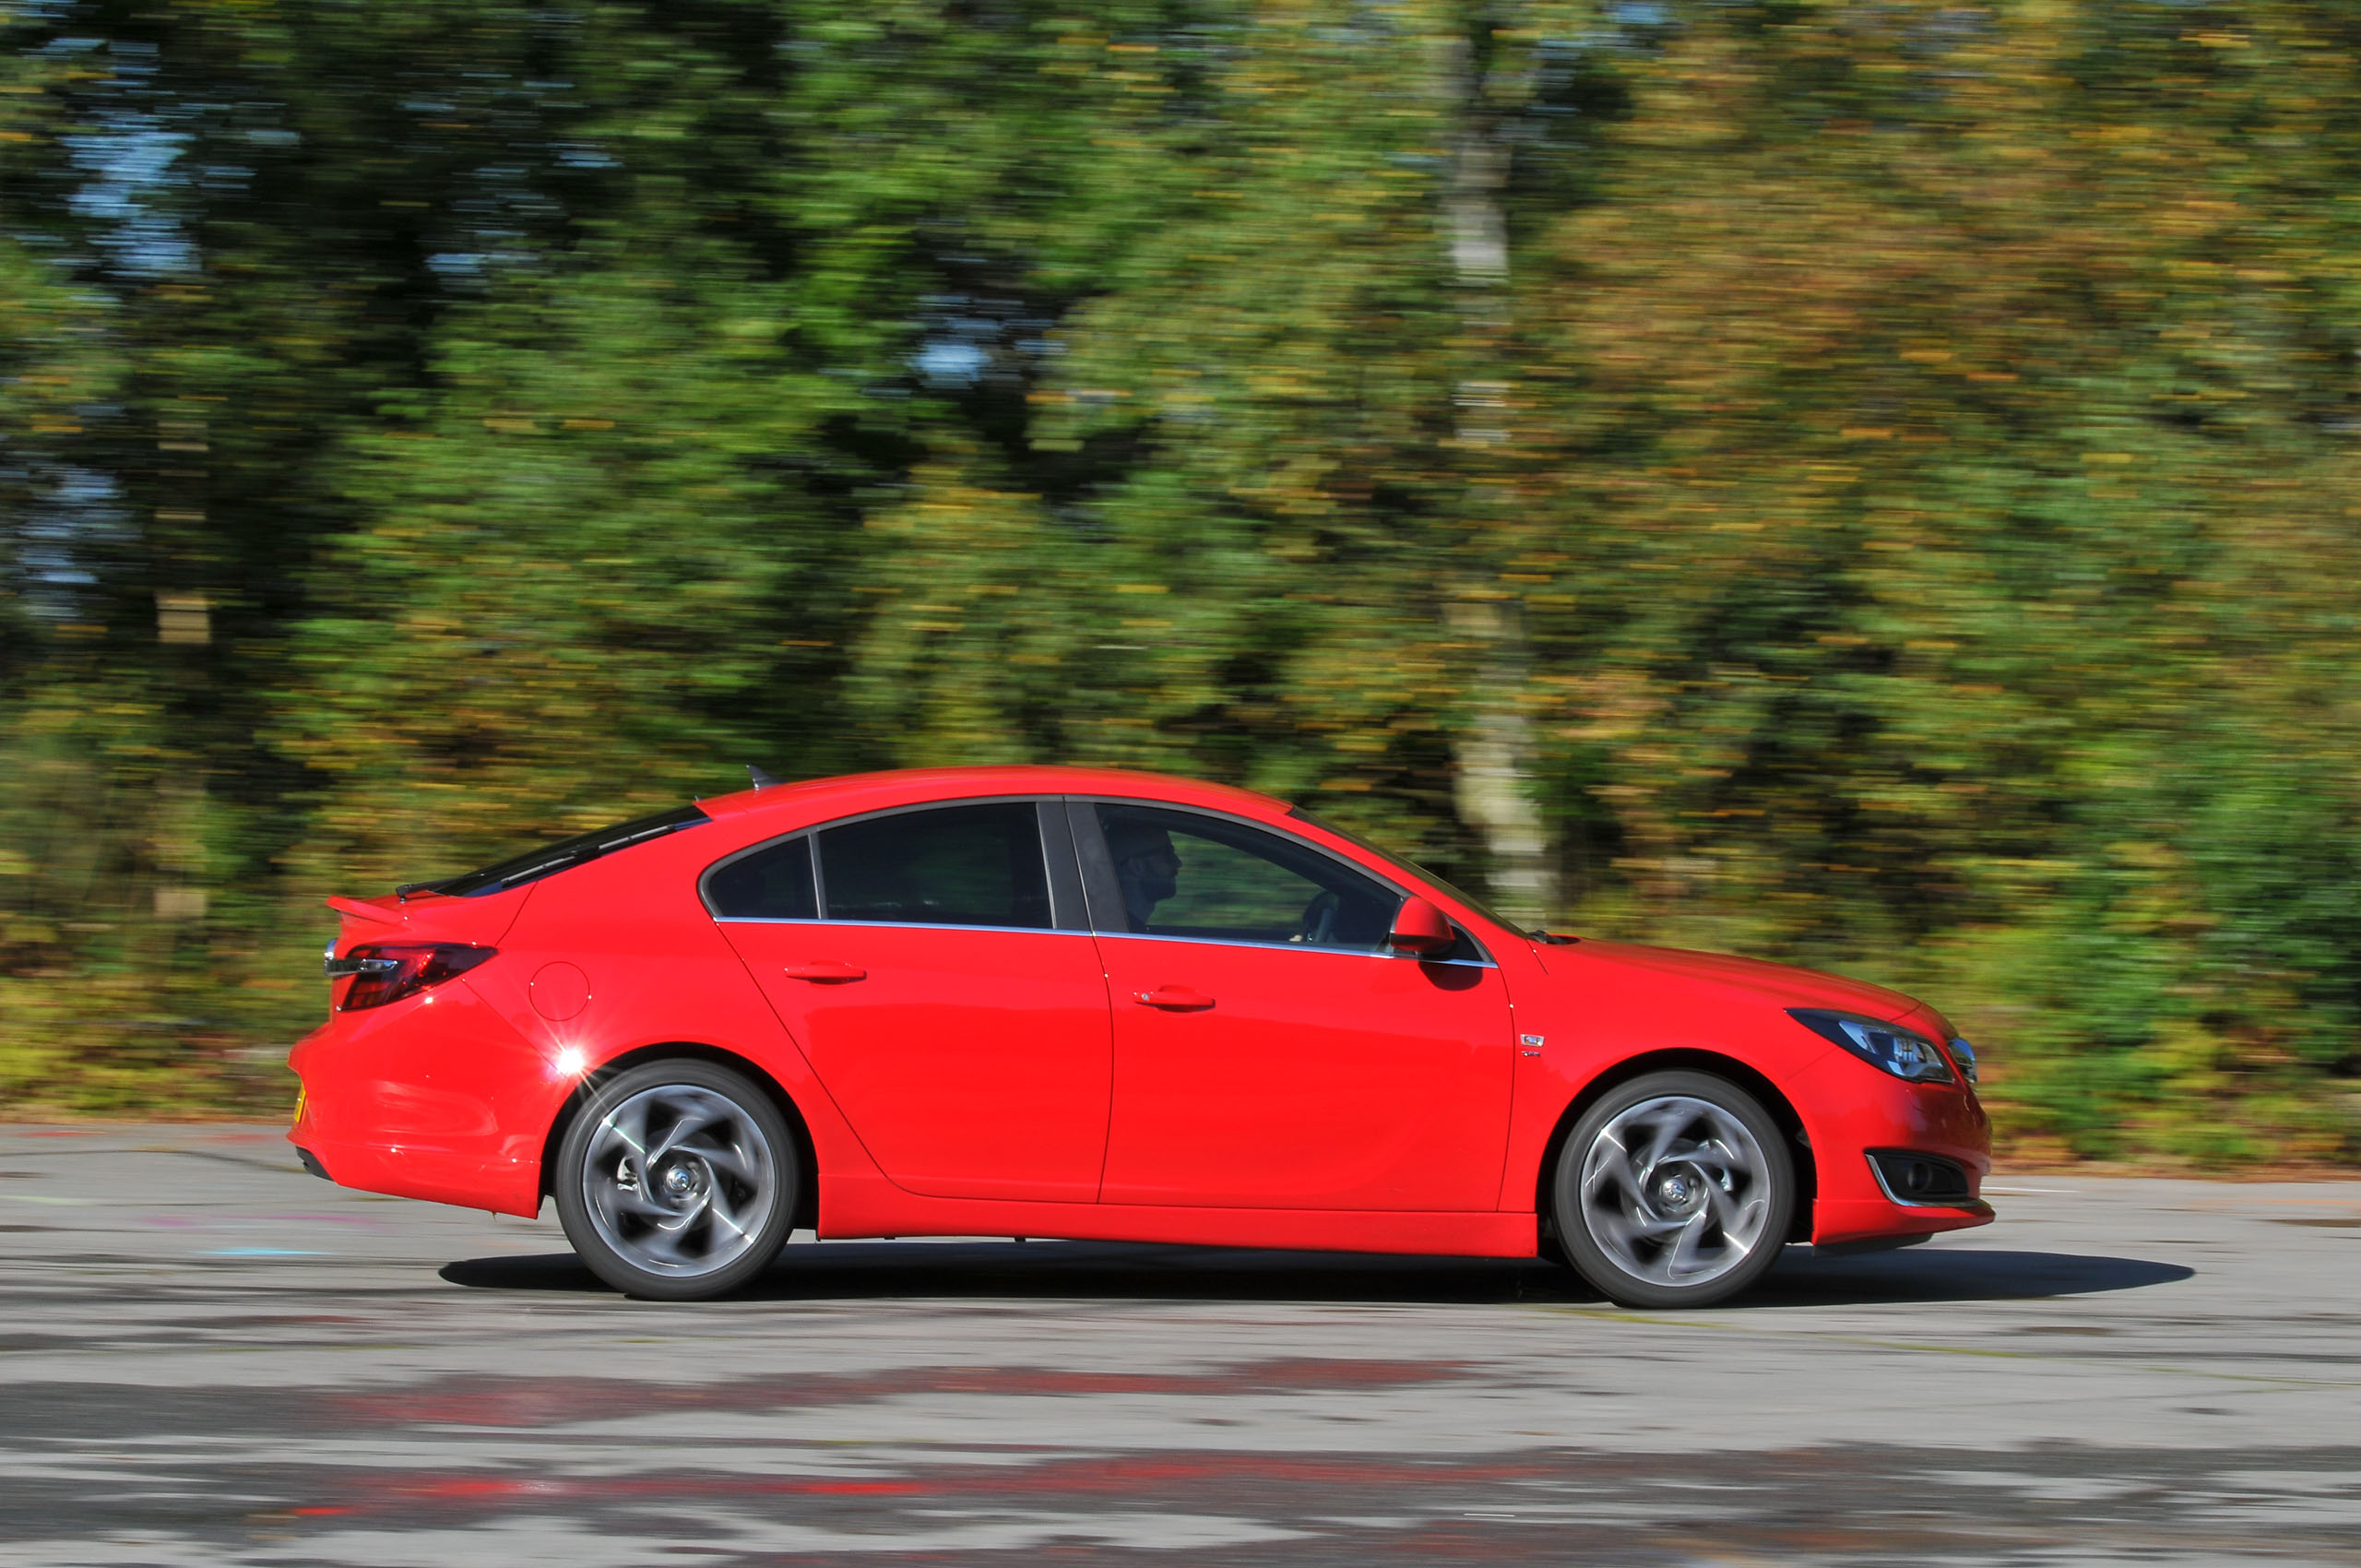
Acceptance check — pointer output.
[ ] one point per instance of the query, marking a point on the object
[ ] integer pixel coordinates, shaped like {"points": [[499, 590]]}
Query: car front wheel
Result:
{"points": [[1674, 1190], [678, 1181]]}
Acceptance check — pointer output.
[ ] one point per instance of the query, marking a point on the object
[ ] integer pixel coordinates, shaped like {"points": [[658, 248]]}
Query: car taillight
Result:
{"points": [[388, 971]]}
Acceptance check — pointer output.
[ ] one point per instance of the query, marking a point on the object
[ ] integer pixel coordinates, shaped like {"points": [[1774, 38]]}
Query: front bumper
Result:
{"points": [[1858, 1118]]}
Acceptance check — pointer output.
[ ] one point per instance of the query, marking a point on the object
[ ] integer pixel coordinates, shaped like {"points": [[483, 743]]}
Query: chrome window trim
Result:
{"points": [[1059, 915], [897, 925], [1116, 935], [1484, 963]]}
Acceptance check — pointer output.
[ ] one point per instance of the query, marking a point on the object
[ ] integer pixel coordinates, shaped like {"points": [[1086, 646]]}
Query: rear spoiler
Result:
{"points": [[366, 909]]}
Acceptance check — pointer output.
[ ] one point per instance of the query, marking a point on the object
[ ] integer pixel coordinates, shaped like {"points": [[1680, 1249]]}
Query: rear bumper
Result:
{"points": [[437, 1175], [435, 1098], [1850, 1109]]}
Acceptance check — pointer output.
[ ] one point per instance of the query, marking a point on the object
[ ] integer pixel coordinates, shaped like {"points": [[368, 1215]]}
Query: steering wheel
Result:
{"points": [[1319, 919]]}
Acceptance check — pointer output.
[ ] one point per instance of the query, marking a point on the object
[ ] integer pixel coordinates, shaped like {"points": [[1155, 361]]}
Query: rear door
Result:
{"points": [[933, 965], [1270, 1052]]}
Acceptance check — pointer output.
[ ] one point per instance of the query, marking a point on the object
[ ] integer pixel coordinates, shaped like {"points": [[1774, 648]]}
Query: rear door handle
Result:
{"points": [[827, 971], [1175, 998]]}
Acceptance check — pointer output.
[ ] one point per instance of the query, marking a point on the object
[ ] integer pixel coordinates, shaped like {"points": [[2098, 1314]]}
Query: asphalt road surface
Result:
{"points": [[209, 1358]]}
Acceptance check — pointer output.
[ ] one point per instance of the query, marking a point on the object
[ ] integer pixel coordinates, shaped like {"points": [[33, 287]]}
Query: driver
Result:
{"points": [[1148, 867]]}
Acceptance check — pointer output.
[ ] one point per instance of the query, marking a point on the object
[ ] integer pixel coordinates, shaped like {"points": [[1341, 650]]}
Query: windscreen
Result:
{"points": [[1421, 872]]}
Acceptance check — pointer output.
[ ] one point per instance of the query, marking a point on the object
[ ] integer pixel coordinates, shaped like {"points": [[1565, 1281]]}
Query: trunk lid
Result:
{"points": [[428, 916]]}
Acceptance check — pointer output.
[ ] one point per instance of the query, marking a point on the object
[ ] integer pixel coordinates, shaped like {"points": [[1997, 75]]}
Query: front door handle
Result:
{"points": [[827, 971], [1175, 999]]}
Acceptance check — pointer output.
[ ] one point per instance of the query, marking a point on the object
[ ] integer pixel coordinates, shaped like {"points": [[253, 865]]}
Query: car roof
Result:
{"points": [[911, 786]]}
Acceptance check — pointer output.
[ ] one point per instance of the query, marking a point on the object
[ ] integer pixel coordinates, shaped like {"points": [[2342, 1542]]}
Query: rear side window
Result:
{"points": [[952, 865], [773, 884], [534, 864]]}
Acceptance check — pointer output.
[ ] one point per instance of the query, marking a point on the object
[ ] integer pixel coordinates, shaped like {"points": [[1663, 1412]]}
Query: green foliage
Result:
{"points": [[1874, 478]]}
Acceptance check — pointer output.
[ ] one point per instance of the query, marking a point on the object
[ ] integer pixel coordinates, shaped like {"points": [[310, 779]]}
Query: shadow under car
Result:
{"points": [[1123, 1271]]}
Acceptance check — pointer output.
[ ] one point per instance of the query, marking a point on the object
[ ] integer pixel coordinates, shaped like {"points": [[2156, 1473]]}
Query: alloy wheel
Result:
{"points": [[679, 1180], [1676, 1191]]}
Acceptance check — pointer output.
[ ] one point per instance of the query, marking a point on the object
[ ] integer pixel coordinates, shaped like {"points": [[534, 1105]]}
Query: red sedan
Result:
{"points": [[1068, 1002]]}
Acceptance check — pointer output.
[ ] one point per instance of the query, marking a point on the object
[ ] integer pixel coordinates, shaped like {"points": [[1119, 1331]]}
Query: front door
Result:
{"points": [[1270, 1052], [916, 958]]}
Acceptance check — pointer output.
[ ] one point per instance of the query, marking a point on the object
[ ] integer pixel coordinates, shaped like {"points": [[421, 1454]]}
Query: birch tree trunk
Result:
{"points": [[1493, 753]]}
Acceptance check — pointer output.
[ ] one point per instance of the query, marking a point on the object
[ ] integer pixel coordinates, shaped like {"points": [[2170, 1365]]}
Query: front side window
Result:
{"points": [[951, 865], [1182, 875]]}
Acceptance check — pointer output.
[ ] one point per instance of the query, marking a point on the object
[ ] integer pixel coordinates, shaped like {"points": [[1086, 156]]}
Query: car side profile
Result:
{"points": [[1071, 1002]]}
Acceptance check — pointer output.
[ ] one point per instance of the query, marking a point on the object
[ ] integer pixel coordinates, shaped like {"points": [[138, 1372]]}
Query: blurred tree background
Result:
{"points": [[1866, 483]]}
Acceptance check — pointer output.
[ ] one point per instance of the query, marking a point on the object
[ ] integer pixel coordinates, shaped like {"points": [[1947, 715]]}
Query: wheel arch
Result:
{"points": [[1749, 1078], [807, 1201]]}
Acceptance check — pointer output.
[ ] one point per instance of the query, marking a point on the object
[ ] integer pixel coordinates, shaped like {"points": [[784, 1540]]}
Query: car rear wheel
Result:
{"points": [[1674, 1190], [678, 1181]]}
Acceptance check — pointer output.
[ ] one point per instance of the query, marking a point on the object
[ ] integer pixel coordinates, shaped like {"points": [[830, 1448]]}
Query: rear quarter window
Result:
{"points": [[772, 884]]}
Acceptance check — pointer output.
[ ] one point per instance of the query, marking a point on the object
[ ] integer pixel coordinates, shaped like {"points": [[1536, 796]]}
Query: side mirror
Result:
{"points": [[1420, 931]]}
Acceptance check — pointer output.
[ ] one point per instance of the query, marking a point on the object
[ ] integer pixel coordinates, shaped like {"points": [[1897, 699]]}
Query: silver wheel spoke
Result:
{"points": [[1736, 1216], [721, 1157], [1629, 1230], [1716, 1155], [687, 1125], [664, 1243], [628, 1128], [623, 1200], [1667, 1128], [1613, 1185], [1682, 1259], [724, 1221], [1611, 1165]]}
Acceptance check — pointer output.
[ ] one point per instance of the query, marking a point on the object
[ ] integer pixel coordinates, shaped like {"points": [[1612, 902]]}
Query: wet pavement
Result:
{"points": [[209, 1358]]}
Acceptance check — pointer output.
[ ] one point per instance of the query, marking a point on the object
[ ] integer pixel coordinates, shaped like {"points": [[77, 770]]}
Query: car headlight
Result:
{"points": [[1965, 1054], [1887, 1047]]}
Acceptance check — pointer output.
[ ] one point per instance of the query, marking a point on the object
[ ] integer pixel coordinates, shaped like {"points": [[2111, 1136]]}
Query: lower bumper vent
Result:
{"points": [[1923, 1178]]}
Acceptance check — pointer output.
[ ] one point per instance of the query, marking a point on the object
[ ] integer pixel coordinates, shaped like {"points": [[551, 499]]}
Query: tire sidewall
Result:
{"points": [[573, 1208], [1593, 1262]]}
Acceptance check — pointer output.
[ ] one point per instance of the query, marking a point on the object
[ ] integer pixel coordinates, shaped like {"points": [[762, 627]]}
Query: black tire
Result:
{"points": [[1696, 1224], [710, 1212]]}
